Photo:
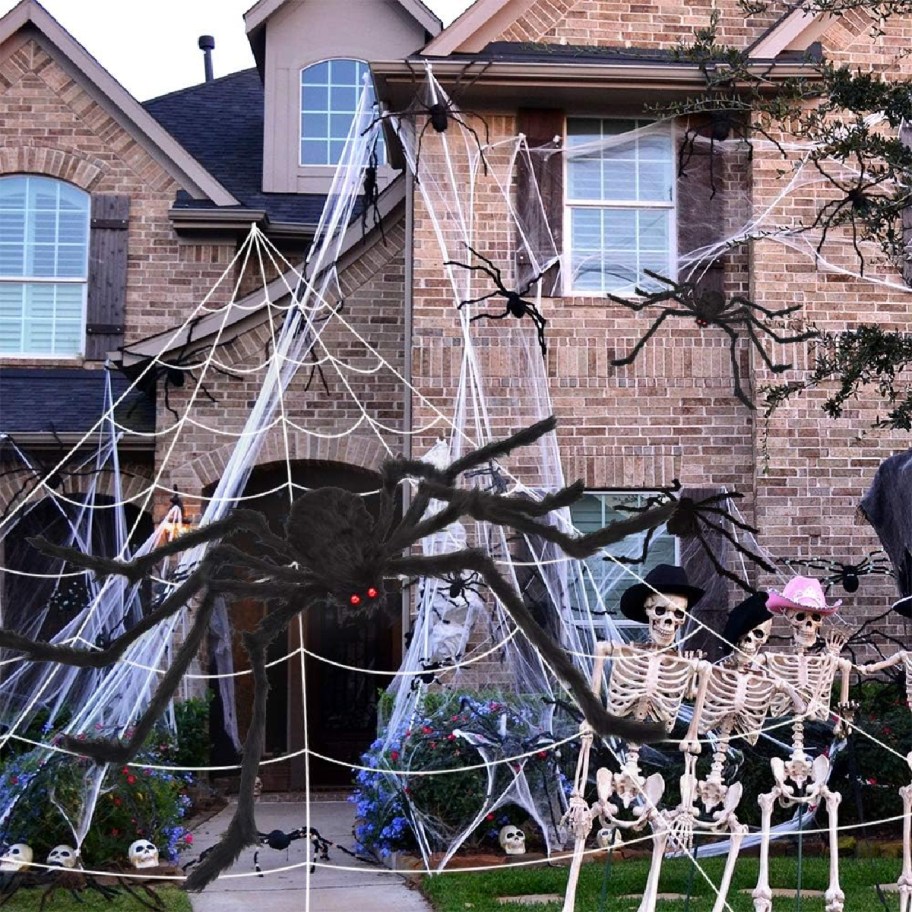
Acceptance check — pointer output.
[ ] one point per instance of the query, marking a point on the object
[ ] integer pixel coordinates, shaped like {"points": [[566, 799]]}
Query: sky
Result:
{"points": [[151, 48]]}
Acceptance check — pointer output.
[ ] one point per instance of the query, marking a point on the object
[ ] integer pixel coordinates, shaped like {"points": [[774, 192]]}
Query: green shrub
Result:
{"points": [[192, 742]]}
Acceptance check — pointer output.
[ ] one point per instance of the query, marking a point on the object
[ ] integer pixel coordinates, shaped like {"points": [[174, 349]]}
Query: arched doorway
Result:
{"points": [[339, 705]]}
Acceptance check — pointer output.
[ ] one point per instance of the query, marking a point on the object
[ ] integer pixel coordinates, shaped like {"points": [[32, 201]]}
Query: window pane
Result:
{"points": [[330, 92], [44, 225]]}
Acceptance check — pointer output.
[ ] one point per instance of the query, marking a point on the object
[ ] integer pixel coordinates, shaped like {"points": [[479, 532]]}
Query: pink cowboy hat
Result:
{"points": [[801, 592]]}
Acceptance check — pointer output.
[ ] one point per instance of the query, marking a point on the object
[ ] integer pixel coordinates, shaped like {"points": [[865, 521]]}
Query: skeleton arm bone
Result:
{"points": [[783, 686], [691, 742], [870, 668]]}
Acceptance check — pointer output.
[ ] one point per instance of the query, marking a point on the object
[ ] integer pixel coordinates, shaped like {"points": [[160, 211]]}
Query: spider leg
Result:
{"points": [[493, 294], [719, 568], [551, 652], [242, 830], [540, 324], [136, 569], [460, 120], [629, 359], [165, 386], [736, 369], [758, 345], [155, 903], [635, 560], [756, 558], [104, 751], [486, 507], [491, 316], [801, 337]]}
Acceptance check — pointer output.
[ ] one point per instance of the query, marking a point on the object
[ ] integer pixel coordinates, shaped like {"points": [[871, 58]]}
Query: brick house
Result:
{"points": [[161, 196]]}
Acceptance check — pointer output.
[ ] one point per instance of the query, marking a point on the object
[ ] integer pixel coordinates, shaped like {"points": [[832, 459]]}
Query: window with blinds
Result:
{"points": [[619, 199], [44, 254], [605, 581]]}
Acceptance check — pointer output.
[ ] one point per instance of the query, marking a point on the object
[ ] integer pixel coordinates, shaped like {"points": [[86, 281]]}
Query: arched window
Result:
{"points": [[329, 97], [44, 263]]}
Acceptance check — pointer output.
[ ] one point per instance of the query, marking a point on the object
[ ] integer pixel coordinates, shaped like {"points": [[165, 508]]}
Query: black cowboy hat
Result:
{"points": [[665, 578], [746, 615], [903, 606]]}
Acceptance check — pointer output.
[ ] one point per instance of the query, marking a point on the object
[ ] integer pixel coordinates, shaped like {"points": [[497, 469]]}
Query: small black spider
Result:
{"points": [[516, 306], [694, 519], [708, 307], [335, 553], [847, 575], [460, 584]]}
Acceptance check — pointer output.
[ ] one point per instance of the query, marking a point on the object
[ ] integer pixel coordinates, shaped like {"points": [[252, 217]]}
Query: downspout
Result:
{"points": [[407, 330]]}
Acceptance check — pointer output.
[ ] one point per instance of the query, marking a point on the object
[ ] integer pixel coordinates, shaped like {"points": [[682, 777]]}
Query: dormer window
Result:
{"points": [[329, 98]]}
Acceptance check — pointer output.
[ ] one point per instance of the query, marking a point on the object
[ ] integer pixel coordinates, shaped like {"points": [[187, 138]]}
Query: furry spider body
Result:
{"points": [[710, 308], [334, 552], [846, 575], [516, 306]]}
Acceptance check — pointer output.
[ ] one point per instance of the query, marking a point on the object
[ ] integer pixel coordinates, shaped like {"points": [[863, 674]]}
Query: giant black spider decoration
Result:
{"points": [[863, 204], [516, 305], [697, 519], [335, 553], [174, 371], [846, 575], [708, 307]]}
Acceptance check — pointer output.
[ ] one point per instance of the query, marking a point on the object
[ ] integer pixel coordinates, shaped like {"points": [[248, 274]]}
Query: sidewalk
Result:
{"points": [[341, 885]]}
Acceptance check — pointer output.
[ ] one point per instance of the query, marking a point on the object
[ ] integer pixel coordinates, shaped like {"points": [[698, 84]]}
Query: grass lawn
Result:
{"points": [[28, 900], [602, 889]]}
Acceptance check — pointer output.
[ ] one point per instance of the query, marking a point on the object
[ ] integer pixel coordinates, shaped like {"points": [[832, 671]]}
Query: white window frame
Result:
{"points": [[381, 149], [27, 281], [580, 617], [570, 204]]}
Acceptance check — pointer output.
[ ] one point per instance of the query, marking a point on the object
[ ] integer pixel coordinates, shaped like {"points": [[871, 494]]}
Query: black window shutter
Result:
{"points": [[701, 201], [539, 126], [712, 609], [107, 274]]}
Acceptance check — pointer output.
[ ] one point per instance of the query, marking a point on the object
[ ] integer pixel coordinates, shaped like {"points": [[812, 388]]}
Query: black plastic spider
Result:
{"points": [[847, 575], [75, 882], [460, 584], [710, 308], [370, 194], [694, 519], [335, 553], [870, 214], [516, 306], [174, 371], [439, 112]]}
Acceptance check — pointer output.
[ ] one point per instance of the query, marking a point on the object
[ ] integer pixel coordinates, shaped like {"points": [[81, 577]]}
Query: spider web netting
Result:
{"points": [[466, 672]]}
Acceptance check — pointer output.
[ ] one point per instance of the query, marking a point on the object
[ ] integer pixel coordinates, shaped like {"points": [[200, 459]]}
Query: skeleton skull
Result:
{"points": [[63, 856], [666, 615], [16, 857], [609, 838], [752, 641], [143, 854], [805, 626], [512, 840]]}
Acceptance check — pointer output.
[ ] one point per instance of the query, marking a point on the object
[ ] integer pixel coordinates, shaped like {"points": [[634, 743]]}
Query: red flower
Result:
{"points": [[427, 729], [14, 780], [394, 755], [489, 817], [433, 745], [126, 770], [451, 737], [542, 755], [188, 838], [131, 779]]}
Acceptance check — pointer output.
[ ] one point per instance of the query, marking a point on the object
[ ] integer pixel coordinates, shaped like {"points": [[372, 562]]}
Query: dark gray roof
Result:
{"points": [[67, 400], [220, 123]]}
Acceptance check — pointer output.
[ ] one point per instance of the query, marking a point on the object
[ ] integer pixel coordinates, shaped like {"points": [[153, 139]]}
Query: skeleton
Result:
{"points": [[143, 854], [647, 682], [904, 883], [735, 701], [512, 840], [800, 781]]}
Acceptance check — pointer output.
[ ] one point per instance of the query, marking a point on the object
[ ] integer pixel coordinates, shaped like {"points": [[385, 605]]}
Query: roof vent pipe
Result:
{"points": [[206, 45]]}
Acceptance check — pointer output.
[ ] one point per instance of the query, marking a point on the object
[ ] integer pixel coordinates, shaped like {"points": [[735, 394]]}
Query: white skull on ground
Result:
{"points": [[63, 856], [512, 840], [754, 640], [805, 625], [16, 857], [666, 615], [609, 838], [143, 854]]}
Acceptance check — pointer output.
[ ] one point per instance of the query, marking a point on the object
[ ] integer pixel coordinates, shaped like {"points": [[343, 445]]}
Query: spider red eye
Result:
{"points": [[372, 593], [355, 599]]}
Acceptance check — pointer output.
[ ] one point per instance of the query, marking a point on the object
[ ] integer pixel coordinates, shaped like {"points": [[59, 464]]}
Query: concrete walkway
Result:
{"points": [[341, 885]]}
